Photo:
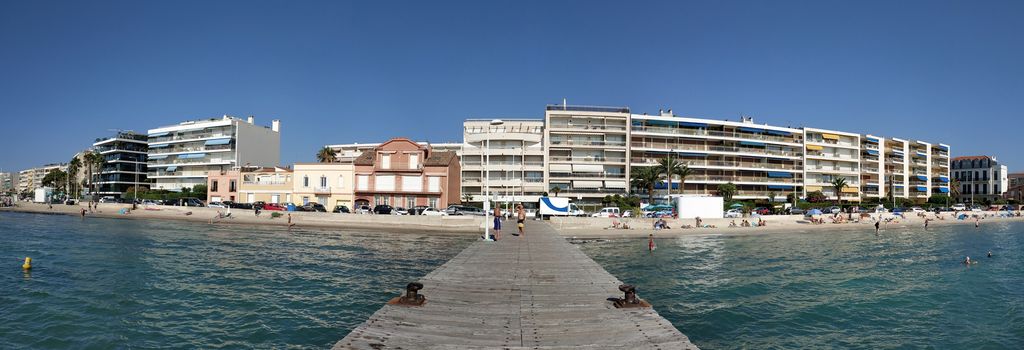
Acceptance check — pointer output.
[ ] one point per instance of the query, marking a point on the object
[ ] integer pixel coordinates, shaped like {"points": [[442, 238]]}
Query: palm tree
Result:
{"points": [[670, 167], [93, 161], [954, 189], [326, 155], [556, 189], [838, 184], [727, 190], [73, 167], [466, 197], [645, 178], [771, 197]]}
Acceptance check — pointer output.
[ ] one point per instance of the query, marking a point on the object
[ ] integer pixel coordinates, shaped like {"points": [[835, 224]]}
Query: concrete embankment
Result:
{"points": [[392, 223]]}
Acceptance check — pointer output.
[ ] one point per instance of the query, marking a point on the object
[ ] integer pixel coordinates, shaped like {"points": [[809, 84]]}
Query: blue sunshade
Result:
{"points": [[157, 157], [872, 152], [751, 143], [159, 134], [943, 190], [223, 141], [922, 188], [922, 178], [172, 168], [780, 187], [779, 174], [693, 125], [162, 145]]}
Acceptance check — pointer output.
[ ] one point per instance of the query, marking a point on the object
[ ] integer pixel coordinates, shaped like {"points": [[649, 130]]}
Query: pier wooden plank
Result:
{"points": [[538, 292]]}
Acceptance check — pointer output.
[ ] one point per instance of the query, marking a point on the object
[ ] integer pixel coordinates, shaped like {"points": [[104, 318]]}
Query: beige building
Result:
{"points": [[269, 185], [330, 184], [510, 152], [587, 151]]}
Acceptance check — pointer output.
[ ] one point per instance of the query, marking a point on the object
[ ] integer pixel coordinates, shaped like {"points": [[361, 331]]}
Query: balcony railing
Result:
{"points": [[717, 133], [831, 168], [589, 159], [322, 189], [188, 161], [190, 136], [591, 175], [685, 147], [703, 163], [588, 143], [164, 150], [588, 127]]}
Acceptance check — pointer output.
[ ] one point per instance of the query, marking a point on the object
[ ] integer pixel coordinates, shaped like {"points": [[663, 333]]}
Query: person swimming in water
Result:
{"points": [[967, 261], [877, 224], [990, 253]]}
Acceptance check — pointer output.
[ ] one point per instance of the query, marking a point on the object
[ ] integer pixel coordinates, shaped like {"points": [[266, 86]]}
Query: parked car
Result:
{"points": [[382, 209], [433, 212], [314, 206], [976, 209], [609, 212], [217, 205], [340, 209], [734, 213], [189, 202], [627, 214], [833, 209], [272, 207], [959, 207], [400, 211], [108, 199], [762, 211], [796, 211], [417, 210], [916, 210], [237, 205], [364, 209], [464, 210], [70, 201], [151, 202]]}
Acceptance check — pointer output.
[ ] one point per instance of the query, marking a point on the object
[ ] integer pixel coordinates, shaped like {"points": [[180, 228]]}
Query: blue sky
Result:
{"points": [[339, 72]]}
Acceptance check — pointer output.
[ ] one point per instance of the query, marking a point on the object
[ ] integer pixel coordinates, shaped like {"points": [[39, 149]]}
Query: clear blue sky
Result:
{"points": [[339, 72]]}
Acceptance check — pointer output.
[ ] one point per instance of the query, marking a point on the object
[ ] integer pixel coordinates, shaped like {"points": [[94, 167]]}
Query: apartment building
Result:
{"points": [[758, 159], [8, 181], [828, 155], [587, 151], [182, 155], [403, 173], [981, 178], [509, 154], [124, 163], [348, 152], [330, 184], [30, 179], [269, 185]]}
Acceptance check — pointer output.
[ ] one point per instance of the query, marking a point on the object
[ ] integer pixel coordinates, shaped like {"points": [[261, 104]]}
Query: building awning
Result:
{"points": [[560, 168], [588, 168], [191, 155], [685, 154], [753, 130], [814, 147], [944, 148], [780, 187], [922, 154], [660, 123], [172, 168], [587, 184], [751, 143], [943, 190], [922, 177], [921, 188], [779, 174], [830, 136], [872, 152], [812, 188], [898, 186], [223, 141], [943, 179], [159, 134], [851, 190], [160, 145], [897, 151], [162, 156], [661, 185], [693, 125], [778, 133], [615, 184], [872, 139]]}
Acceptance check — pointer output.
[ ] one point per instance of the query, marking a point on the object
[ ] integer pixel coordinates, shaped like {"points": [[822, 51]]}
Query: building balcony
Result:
{"points": [[831, 169], [588, 175], [664, 147], [186, 137], [722, 164], [585, 143], [322, 189], [587, 127], [714, 133], [588, 159], [172, 150]]}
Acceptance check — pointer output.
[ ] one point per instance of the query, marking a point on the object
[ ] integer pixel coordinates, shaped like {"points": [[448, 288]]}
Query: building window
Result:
{"points": [[341, 181], [323, 181], [305, 200], [414, 161], [305, 181], [385, 161], [231, 186], [432, 202], [213, 186], [410, 202]]}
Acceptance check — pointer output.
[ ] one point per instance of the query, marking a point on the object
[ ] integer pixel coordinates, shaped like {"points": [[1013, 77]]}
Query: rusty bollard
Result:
{"points": [[629, 299], [411, 297]]}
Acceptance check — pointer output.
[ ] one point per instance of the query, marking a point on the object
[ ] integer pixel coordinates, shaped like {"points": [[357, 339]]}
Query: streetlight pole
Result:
{"points": [[487, 178]]}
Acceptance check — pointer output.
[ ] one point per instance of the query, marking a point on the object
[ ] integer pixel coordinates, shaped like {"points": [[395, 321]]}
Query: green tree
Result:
{"points": [[839, 183], [671, 167], [556, 189], [93, 162], [954, 189], [727, 190], [466, 197], [816, 197], [771, 197], [939, 199], [74, 166], [199, 191], [645, 178], [326, 155], [56, 178]]}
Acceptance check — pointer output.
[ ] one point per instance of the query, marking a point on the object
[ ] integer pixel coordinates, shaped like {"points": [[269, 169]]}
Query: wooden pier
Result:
{"points": [[538, 292]]}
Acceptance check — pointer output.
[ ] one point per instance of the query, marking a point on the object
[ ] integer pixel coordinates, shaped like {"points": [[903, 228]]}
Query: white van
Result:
{"points": [[610, 212], [959, 207]]}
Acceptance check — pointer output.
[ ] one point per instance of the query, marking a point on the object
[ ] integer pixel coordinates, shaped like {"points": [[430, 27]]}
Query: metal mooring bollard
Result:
{"points": [[411, 297], [629, 299]]}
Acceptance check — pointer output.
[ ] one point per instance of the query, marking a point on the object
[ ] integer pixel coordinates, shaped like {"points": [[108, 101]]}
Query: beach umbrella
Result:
{"points": [[814, 212], [736, 205]]}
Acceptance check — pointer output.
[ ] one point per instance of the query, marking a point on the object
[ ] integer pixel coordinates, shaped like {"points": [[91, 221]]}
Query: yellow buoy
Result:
{"points": [[28, 263]]}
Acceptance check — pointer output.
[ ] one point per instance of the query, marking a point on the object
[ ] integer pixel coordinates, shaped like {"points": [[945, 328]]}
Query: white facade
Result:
{"points": [[513, 152], [829, 155], [31, 179], [587, 151], [181, 155], [981, 178]]}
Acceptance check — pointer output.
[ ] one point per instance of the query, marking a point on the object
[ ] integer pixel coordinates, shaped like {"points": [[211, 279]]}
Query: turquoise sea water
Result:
{"points": [[905, 289], [109, 284]]}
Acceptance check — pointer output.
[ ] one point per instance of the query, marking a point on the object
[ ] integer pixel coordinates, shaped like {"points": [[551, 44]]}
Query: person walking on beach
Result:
{"points": [[977, 222], [521, 219], [497, 223]]}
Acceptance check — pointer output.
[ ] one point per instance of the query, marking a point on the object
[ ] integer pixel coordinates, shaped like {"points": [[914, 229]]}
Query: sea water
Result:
{"points": [[905, 288], [109, 283]]}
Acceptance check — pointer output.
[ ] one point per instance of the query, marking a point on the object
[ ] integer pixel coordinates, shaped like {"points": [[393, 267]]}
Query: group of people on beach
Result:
{"points": [[520, 214]]}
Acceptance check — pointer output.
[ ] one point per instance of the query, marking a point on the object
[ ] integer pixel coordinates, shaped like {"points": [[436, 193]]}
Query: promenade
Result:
{"points": [[537, 292]]}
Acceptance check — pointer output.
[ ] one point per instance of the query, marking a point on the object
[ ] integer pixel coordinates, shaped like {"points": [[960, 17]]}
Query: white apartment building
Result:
{"points": [[829, 155], [181, 155], [587, 151], [981, 178], [511, 152], [758, 159], [30, 179]]}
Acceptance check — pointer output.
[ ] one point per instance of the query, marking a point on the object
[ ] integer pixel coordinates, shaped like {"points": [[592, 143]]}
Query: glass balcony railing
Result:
{"points": [[686, 147], [704, 163], [588, 159], [705, 132], [588, 143], [590, 175], [179, 149], [190, 136], [588, 127]]}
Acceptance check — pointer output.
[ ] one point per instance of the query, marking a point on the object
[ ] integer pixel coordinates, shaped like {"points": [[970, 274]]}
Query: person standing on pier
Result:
{"points": [[497, 223], [521, 219]]}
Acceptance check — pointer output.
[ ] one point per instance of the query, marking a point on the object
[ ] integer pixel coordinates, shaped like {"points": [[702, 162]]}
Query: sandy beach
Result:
{"points": [[457, 225], [594, 228]]}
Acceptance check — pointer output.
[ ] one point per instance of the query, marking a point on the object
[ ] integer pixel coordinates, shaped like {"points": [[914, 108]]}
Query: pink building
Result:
{"points": [[222, 186], [403, 173]]}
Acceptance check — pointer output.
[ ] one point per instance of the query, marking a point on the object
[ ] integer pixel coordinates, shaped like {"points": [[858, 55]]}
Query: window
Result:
{"points": [[363, 182], [305, 200], [323, 181], [432, 202], [412, 184], [410, 202], [231, 186], [434, 184], [385, 161], [275, 198], [213, 186], [341, 181], [305, 181], [414, 161], [384, 183]]}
